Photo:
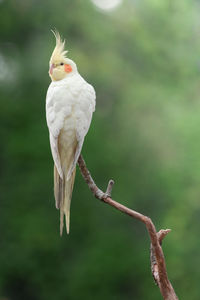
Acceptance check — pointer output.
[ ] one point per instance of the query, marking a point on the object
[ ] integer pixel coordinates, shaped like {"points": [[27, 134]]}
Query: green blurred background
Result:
{"points": [[143, 58]]}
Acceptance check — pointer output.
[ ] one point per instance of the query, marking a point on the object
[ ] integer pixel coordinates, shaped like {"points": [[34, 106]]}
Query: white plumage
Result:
{"points": [[70, 103]]}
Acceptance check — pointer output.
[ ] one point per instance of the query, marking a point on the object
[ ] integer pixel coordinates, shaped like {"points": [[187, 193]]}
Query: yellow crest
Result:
{"points": [[58, 53]]}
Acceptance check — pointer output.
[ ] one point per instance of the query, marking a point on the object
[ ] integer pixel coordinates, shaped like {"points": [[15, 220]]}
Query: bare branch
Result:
{"points": [[162, 234], [158, 266], [109, 188], [154, 267]]}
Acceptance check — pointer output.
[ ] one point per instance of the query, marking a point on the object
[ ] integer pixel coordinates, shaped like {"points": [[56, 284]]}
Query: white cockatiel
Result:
{"points": [[70, 103]]}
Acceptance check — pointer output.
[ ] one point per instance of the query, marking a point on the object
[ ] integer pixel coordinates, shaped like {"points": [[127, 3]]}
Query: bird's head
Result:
{"points": [[60, 66]]}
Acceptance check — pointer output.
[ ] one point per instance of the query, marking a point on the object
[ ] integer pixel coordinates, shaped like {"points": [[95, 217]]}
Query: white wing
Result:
{"points": [[83, 110], [58, 107]]}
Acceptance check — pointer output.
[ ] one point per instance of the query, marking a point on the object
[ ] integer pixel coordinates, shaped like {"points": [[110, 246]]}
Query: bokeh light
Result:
{"points": [[107, 4]]}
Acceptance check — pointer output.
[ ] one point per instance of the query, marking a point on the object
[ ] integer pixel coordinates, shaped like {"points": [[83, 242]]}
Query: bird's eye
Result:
{"points": [[62, 64]]}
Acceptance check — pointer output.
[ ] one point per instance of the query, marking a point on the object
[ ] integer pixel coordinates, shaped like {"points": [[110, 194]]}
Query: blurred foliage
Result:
{"points": [[143, 60]]}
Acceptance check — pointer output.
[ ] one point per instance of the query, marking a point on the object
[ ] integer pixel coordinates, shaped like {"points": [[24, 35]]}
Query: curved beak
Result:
{"points": [[51, 68]]}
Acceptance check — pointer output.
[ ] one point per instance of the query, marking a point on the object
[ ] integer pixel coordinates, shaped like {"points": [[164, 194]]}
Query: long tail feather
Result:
{"points": [[64, 187], [58, 188], [69, 184], [63, 193]]}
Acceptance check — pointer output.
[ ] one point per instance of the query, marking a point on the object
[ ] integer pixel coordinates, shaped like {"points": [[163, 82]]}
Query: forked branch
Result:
{"points": [[158, 265]]}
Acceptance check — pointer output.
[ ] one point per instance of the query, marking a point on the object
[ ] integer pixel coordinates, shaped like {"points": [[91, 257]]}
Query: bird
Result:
{"points": [[70, 103]]}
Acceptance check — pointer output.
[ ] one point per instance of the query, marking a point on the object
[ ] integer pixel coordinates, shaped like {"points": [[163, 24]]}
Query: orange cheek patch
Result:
{"points": [[68, 68]]}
